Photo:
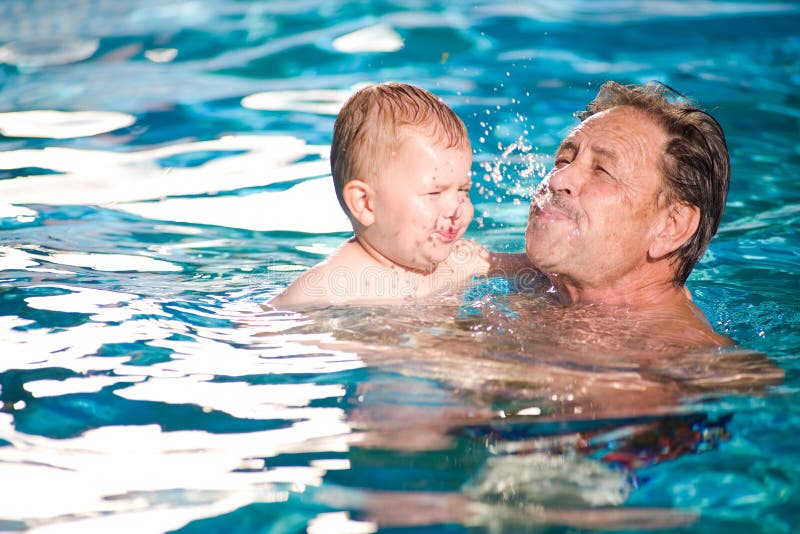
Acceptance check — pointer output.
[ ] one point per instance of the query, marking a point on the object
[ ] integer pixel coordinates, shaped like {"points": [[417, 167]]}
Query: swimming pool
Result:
{"points": [[186, 180]]}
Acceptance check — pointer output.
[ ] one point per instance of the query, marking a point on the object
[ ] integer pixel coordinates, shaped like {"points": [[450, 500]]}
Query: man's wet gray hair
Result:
{"points": [[695, 164]]}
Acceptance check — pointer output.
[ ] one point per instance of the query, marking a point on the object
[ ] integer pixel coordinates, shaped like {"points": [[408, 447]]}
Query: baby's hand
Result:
{"points": [[468, 258]]}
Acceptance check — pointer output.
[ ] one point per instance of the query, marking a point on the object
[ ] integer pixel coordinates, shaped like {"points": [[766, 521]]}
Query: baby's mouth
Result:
{"points": [[448, 234]]}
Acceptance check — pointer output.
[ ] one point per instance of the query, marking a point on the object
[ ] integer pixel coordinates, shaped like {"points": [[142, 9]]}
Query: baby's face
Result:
{"points": [[422, 203]]}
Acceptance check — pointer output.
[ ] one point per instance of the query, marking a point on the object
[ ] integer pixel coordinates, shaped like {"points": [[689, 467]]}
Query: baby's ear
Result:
{"points": [[358, 196], [679, 225]]}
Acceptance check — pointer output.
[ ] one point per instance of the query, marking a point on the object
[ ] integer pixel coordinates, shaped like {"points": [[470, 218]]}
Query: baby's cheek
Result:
{"points": [[424, 210], [467, 211]]}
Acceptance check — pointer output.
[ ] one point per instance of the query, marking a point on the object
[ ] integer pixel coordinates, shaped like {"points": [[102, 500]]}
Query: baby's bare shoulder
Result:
{"points": [[337, 278], [309, 287]]}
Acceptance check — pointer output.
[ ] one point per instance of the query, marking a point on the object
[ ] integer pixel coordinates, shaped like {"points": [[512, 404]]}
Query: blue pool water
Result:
{"points": [[185, 181]]}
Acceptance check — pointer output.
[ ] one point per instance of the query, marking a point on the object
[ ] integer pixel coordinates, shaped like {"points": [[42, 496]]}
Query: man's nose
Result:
{"points": [[567, 180]]}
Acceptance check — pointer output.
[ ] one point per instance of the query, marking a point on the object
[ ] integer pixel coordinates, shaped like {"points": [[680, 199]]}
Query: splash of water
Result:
{"points": [[543, 194], [518, 161]]}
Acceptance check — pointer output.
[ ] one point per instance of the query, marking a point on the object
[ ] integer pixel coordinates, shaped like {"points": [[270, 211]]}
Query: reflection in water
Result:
{"points": [[582, 361]]}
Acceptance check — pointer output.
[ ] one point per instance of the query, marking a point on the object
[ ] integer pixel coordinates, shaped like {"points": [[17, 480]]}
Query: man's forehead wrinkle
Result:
{"points": [[606, 135], [605, 152], [570, 144]]}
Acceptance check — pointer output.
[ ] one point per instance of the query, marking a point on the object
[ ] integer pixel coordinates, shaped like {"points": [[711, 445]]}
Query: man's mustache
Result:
{"points": [[544, 197]]}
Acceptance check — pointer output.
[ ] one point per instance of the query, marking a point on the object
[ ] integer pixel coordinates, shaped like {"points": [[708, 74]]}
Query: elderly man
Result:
{"points": [[636, 193]]}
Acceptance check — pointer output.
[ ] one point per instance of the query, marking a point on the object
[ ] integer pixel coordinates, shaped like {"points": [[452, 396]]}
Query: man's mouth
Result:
{"points": [[551, 208], [552, 213]]}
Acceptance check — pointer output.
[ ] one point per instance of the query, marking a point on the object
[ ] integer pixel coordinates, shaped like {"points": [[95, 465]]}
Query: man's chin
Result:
{"points": [[538, 241], [546, 256]]}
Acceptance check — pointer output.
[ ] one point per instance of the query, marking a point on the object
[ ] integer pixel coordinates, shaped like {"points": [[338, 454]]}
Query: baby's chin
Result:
{"points": [[435, 259], [423, 267], [426, 264], [428, 257]]}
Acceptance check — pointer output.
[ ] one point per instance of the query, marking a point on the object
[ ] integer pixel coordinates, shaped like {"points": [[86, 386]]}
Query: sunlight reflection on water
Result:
{"points": [[116, 179], [62, 125]]}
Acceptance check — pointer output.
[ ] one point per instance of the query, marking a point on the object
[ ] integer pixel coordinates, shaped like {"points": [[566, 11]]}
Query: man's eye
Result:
{"points": [[560, 162], [603, 170]]}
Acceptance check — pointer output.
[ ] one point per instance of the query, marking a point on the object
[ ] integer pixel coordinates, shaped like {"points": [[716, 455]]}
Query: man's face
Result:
{"points": [[594, 215], [421, 202]]}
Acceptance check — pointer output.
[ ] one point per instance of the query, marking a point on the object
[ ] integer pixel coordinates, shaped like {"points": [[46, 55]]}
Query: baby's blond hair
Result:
{"points": [[367, 131]]}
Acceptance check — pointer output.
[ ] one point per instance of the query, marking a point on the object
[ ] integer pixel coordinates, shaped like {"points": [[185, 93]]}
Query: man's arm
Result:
{"points": [[510, 265]]}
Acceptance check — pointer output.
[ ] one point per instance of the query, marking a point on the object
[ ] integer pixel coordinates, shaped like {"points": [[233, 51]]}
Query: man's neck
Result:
{"points": [[631, 292]]}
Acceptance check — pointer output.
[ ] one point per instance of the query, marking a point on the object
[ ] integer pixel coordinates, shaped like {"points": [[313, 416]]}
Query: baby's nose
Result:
{"points": [[455, 210]]}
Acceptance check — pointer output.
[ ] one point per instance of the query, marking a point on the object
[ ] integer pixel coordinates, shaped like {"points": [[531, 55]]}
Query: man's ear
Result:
{"points": [[359, 198], [679, 225]]}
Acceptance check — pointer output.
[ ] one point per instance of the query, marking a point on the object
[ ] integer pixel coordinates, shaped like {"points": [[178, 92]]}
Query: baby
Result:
{"points": [[401, 163]]}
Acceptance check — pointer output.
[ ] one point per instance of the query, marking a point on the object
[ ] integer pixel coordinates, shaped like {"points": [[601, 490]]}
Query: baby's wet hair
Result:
{"points": [[370, 126]]}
